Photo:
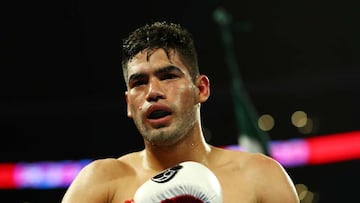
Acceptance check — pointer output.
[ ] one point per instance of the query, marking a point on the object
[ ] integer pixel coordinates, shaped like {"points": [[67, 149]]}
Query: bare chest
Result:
{"points": [[233, 189], [126, 189], [235, 192]]}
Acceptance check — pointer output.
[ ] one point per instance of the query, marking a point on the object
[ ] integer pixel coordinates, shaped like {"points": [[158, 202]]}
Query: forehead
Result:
{"points": [[149, 60]]}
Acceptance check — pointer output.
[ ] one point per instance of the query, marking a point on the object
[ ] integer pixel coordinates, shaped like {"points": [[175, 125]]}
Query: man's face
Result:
{"points": [[161, 97]]}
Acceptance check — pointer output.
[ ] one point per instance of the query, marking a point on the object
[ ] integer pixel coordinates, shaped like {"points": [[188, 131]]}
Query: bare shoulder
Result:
{"points": [[259, 177], [107, 168], [99, 180], [255, 163], [259, 163], [275, 184]]}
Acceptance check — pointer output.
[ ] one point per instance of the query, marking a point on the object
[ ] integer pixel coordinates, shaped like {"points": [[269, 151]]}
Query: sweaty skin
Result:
{"points": [[165, 103]]}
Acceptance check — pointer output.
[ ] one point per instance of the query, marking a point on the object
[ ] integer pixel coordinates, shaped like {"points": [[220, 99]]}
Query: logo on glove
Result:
{"points": [[167, 174]]}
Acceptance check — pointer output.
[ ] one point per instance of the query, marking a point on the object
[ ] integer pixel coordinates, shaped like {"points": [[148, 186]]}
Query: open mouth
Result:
{"points": [[158, 114]]}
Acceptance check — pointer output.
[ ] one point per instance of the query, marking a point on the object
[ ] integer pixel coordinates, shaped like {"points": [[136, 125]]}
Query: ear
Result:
{"points": [[203, 85], [127, 105]]}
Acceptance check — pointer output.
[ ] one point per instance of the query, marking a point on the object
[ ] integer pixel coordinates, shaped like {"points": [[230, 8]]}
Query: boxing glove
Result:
{"points": [[186, 182]]}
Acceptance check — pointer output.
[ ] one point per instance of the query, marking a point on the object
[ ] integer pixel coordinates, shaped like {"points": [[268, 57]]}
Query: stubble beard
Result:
{"points": [[173, 133]]}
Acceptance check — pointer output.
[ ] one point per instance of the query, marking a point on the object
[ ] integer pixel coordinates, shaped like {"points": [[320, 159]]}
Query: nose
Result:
{"points": [[155, 91]]}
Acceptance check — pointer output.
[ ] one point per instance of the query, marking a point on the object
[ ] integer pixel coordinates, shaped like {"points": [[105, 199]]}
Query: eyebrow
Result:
{"points": [[166, 69]]}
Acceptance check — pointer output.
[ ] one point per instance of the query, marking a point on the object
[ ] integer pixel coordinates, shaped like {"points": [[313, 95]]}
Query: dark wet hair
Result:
{"points": [[164, 35]]}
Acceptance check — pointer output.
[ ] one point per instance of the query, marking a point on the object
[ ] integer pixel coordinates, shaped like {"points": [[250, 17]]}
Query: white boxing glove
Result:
{"points": [[186, 182]]}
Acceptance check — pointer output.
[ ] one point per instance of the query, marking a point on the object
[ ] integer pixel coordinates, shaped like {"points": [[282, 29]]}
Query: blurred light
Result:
{"points": [[304, 194], [334, 148], [309, 197], [316, 150], [266, 122], [299, 119], [6, 175], [308, 127], [40, 175], [290, 153], [295, 152], [301, 190]]}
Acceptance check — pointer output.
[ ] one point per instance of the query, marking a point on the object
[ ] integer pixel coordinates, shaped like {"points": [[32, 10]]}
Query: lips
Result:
{"points": [[158, 113]]}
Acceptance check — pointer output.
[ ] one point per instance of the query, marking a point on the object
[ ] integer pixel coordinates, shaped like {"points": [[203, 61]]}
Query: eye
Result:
{"points": [[136, 83], [168, 76]]}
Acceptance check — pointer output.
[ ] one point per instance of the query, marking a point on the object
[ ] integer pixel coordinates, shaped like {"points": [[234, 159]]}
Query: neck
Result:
{"points": [[193, 148]]}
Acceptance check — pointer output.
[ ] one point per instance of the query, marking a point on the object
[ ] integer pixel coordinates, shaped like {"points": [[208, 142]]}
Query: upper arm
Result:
{"points": [[88, 186], [276, 185]]}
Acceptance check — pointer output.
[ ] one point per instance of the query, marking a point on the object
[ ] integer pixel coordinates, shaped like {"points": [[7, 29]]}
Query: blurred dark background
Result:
{"points": [[62, 91]]}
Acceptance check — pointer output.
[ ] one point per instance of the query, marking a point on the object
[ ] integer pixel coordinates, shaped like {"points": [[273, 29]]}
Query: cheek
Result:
{"points": [[134, 104], [183, 94]]}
